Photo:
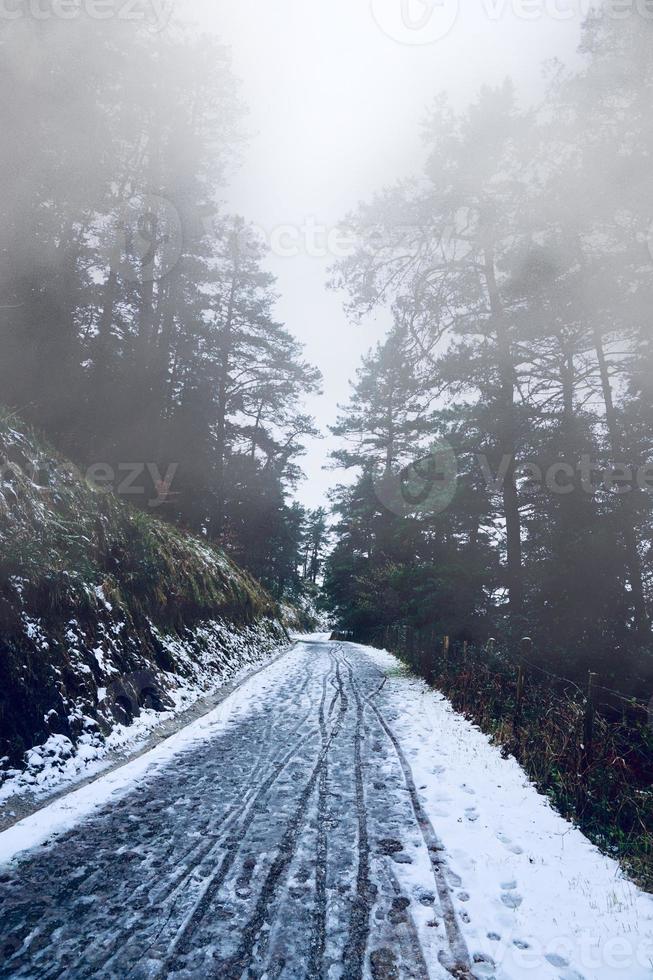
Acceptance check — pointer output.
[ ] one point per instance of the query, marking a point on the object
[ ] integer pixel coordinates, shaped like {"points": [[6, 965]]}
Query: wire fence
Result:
{"points": [[401, 638]]}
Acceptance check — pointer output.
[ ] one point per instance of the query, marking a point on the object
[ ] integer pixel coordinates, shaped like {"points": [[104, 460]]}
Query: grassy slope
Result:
{"points": [[93, 594]]}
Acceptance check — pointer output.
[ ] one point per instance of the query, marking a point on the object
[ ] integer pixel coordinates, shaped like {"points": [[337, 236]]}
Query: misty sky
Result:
{"points": [[335, 107]]}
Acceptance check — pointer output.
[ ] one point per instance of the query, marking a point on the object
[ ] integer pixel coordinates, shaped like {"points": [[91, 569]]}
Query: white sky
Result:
{"points": [[335, 107]]}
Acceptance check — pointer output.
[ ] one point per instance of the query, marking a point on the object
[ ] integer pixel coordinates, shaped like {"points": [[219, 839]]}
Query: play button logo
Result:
{"points": [[426, 485], [415, 21]]}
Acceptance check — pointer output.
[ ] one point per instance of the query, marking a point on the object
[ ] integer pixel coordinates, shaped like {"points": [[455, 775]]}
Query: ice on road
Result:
{"points": [[338, 820]]}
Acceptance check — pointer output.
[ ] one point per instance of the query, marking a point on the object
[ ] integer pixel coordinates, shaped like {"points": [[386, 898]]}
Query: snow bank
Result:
{"points": [[534, 892], [205, 661]]}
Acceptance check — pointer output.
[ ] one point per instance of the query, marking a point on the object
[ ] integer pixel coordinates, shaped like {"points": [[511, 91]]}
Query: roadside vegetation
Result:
{"points": [[589, 751], [93, 591]]}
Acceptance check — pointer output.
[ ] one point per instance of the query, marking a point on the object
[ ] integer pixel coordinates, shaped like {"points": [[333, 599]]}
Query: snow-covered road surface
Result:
{"points": [[334, 819]]}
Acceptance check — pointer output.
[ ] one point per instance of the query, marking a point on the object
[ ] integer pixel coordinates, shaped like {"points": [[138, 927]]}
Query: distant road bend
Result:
{"points": [[291, 845]]}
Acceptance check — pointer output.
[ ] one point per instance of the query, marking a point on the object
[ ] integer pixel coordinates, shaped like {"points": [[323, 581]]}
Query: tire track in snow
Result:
{"points": [[240, 962], [264, 758], [459, 964], [318, 942], [359, 927], [315, 970], [339, 692], [407, 940], [151, 888], [211, 886], [174, 886]]}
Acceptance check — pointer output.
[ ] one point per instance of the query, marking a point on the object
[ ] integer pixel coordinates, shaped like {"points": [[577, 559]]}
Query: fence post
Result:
{"points": [[445, 647], [526, 646], [590, 708], [520, 692]]}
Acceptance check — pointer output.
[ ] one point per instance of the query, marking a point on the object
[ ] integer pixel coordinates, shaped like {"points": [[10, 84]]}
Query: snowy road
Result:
{"points": [[305, 838]]}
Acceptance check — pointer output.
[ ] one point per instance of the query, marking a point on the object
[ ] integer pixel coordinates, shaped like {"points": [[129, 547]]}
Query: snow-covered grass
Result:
{"points": [[538, 895], [224, 654], [109, 616], [302, 612]]}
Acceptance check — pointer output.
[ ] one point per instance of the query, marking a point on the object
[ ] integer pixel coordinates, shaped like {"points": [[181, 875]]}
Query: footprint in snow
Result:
{"points": [[383, 965], [397, 913], [402, 858], [483, 959], [511, 900], [558, 961], [506, 841], [454, 878], [472, 814]]}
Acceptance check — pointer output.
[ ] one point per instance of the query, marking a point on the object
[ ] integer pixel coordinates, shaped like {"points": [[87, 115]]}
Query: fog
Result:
{"points": [[335, 111], [215, 215], [328, 316]]}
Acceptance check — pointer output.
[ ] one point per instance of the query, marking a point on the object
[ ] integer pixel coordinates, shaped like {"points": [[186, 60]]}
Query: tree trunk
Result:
{"points": [[508, 443], [222, 402], [642, 622]]}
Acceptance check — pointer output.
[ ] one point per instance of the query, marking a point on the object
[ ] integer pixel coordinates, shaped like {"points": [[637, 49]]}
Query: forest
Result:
{"points": [[137, 325], [326, 489], [501, 435], [513, 388]]}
